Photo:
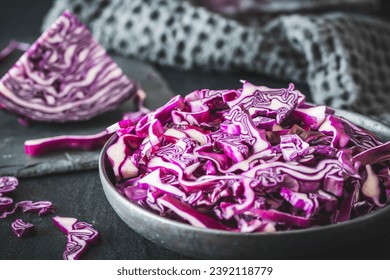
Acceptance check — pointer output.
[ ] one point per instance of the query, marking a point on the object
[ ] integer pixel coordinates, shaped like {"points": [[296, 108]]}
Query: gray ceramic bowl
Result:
{"points": [[217, 244]]}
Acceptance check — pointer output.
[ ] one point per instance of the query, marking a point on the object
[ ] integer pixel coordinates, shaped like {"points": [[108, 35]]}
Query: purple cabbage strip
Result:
{"points": [[40, 207], [313, 117], [79, 236], [293, 147], [8, 184], [374, 155], [307, 202], [5, 203], [249, 160], [359, 136], [38, 147], [372, 187], [334, 126], [185, 212], [263, 101], [21, 228]]}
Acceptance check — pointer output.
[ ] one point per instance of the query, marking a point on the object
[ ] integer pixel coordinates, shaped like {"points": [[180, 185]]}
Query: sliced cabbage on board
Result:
{"points": [[66, 75]]}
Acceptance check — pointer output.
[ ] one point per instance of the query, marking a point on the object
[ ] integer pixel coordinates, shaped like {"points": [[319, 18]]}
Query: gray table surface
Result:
{"points": [[79, 194]]}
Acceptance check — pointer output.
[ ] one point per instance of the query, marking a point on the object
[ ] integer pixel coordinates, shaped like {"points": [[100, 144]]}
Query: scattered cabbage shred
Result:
{"points": [[7, 206], [21, 228], [64, 76], [79, 236], [250, 160]]}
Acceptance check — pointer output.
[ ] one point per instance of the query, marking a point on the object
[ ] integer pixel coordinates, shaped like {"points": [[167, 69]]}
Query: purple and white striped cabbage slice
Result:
{"points": [[8, 184], [21, 228], [64, 76], [79, 236]]}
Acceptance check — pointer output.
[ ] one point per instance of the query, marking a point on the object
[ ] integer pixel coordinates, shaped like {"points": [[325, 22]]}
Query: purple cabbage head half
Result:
{"points": [[64, 76]]}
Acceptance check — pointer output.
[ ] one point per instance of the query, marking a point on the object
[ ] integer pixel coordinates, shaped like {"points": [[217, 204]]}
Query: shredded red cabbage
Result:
{"points": [[8, 184], [79, 236], [5, 203], [253, 159], [40, 207], [7, 207], [21, 228]]}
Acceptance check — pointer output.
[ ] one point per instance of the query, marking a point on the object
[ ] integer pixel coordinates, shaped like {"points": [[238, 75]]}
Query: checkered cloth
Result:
{"points": [[343, 57]]}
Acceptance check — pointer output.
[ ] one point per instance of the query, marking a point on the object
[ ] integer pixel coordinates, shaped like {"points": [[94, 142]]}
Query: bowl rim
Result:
{"points": [[150, 215]]}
